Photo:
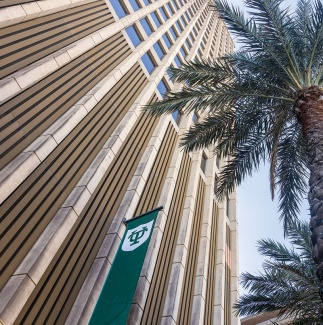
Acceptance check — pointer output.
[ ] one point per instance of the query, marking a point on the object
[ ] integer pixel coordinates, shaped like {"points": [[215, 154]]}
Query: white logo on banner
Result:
{"points": [[137, 236]]}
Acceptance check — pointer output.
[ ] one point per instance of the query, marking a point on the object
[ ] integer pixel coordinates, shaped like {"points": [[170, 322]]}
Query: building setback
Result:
{"points": [[78, 156]]}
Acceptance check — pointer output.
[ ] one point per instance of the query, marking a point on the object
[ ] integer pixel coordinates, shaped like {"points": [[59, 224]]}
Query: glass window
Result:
{"points": [[175, 4], [218, 162], [188, 45], [183, 52], [133, 35], [216, 183], [195, 118], [146, 26], [183, 21], [191, 37], [146, 2], [134, 5], [179, 27], [194, 31], [168, 71], [203, 163], [163, 13], [181, 2], [172, 31], [118, 8], [148, 63], [177, 116], [170, 9], [167, 41], [187, 16], [177, 61], [159, 50], [155, 19], [162, 88]]}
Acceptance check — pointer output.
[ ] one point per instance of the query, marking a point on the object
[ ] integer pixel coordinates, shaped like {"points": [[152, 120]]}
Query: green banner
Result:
{"points": [[113, 305]]}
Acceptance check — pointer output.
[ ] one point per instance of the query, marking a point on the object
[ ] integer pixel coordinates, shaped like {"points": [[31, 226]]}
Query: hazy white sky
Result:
{"points": [[257, 213]]}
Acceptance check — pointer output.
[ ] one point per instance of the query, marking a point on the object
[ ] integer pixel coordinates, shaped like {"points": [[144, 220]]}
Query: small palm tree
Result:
{"points": [[288, 283], [263, 103]]}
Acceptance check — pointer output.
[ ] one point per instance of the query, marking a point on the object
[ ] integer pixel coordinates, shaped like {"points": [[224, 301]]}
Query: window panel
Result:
{"points": [[195, 118], [216, 183], [177, 61], [183, 52], [218, 162], [177, 116], [167, 41], [159, 50], [170, 9], [118, 8], [148, 63], [155, 19], [203, 163], [162, 88], [172, 31], [169, 72], [188, 45], [175, 4], [179, 27], [134, 4], [183, 21], [163, 13], [144, 23], [133, 35], [146, 2]]}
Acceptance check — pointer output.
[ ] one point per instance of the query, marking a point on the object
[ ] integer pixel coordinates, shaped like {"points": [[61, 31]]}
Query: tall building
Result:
{"points": [[78, 156]]}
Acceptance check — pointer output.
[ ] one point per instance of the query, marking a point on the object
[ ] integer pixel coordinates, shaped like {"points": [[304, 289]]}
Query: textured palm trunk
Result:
{"points": [[309, 108]]}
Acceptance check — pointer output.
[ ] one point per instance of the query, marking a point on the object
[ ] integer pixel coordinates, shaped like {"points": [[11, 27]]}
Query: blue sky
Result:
{"points": [[257, 214]]}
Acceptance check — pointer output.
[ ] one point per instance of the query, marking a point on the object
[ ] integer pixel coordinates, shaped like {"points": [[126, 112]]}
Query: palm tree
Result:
{"points": [[263, 103], [288, 283]]}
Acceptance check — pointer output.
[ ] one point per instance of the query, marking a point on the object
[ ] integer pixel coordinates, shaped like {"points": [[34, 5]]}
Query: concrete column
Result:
{"points": [[205, 236], [220, 267], [234, 234]]}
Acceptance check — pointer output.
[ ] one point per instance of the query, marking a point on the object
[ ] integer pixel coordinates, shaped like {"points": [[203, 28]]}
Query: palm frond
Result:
{"points": [[288, 284]]}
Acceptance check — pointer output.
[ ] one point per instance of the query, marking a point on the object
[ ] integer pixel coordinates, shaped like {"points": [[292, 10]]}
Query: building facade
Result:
{"points": [[78, 155]]}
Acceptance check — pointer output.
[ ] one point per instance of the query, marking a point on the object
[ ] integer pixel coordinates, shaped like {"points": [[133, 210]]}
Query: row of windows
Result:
{"points": [[147, 59], [188, 43], [136, 38], [146, 24], [121, 10]]}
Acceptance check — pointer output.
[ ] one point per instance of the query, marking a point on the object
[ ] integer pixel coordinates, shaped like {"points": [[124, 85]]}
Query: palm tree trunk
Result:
{"points": [[309, 109]]}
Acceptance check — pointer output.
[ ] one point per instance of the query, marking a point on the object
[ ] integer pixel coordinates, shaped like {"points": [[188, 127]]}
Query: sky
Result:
{"points": [[258, 215]]}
